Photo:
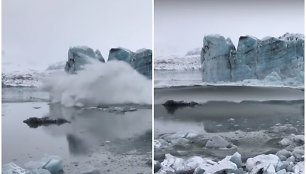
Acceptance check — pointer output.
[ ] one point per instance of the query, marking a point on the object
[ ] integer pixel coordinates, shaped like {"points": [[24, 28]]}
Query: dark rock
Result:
{"points": [[35, 122], [172, 105]]}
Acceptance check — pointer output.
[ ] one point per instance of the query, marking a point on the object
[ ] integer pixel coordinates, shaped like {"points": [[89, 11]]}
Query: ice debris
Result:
{"points": [[47, 165], [217, 142], [12, 168], [53, 164]]}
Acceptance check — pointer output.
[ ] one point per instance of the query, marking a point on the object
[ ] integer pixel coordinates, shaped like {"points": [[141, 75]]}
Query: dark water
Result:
{"points": [[203, 94], [247, 115], [94, 136]]}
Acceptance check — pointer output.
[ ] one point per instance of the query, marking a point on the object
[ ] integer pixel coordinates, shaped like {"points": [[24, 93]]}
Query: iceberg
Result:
{"points": [[79, 56], [281, 57]]}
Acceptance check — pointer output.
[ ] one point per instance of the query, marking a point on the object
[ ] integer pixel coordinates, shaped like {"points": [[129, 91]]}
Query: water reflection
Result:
{"points": [[90, 128], [230, 116], [88, 131], [76, 145]]}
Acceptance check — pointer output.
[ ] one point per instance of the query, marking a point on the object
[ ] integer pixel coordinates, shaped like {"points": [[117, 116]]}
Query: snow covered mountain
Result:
{"points": [[178, 63]]}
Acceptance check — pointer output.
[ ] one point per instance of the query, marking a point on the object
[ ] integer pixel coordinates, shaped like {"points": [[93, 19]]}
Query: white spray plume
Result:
{"points": [[114, 82]]}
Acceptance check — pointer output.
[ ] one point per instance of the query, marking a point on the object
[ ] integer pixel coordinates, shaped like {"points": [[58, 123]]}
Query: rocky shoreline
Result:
{"points": [[175, 159]]}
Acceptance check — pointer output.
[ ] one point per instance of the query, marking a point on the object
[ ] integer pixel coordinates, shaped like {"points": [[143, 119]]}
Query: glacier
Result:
{"points": [[281, 57], [79, 56], [141, 60]]}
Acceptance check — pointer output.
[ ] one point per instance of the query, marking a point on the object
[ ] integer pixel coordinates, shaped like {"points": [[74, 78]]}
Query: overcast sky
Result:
{"points": [[39, 32], [180, 25]]}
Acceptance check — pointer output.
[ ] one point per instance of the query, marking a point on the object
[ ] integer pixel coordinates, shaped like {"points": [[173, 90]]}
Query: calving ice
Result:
{"points": [[92, 82]]}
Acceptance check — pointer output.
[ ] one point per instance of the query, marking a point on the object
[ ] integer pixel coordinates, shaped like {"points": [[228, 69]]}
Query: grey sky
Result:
{"points": [[38, 33], [181, 24]]}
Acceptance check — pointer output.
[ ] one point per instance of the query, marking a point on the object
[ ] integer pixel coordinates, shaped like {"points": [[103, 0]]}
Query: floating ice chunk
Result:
{"points": [[217, 142], [224, 165], [194, 162], [180, 142], [261, 162], [171, 163], [283, 154], [90, 170], [236, 158], [39, 171], [53, 164], [12, 168], [282, 165], [192, 135], [293, 140], [299, 168], [285, 142], [298, 153], [270, 169], [157, 166], [283, 171], [179, 165]]}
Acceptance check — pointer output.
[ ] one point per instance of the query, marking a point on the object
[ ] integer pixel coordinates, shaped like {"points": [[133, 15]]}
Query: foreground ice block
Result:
{"points": [[12, 168], [53, 164]]}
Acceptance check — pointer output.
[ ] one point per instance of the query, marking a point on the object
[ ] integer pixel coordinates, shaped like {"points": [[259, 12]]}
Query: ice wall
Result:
{"points": [[253, 58], [140, 60], [79, 56]]}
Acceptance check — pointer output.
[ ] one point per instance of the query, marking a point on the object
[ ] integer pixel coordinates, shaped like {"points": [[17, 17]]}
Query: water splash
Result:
{"points": [[114, 82]]}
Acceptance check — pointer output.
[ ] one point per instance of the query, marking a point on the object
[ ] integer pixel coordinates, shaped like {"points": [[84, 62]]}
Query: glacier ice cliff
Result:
{"points": [[79, 56], [253, 58], [141, 60]]}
